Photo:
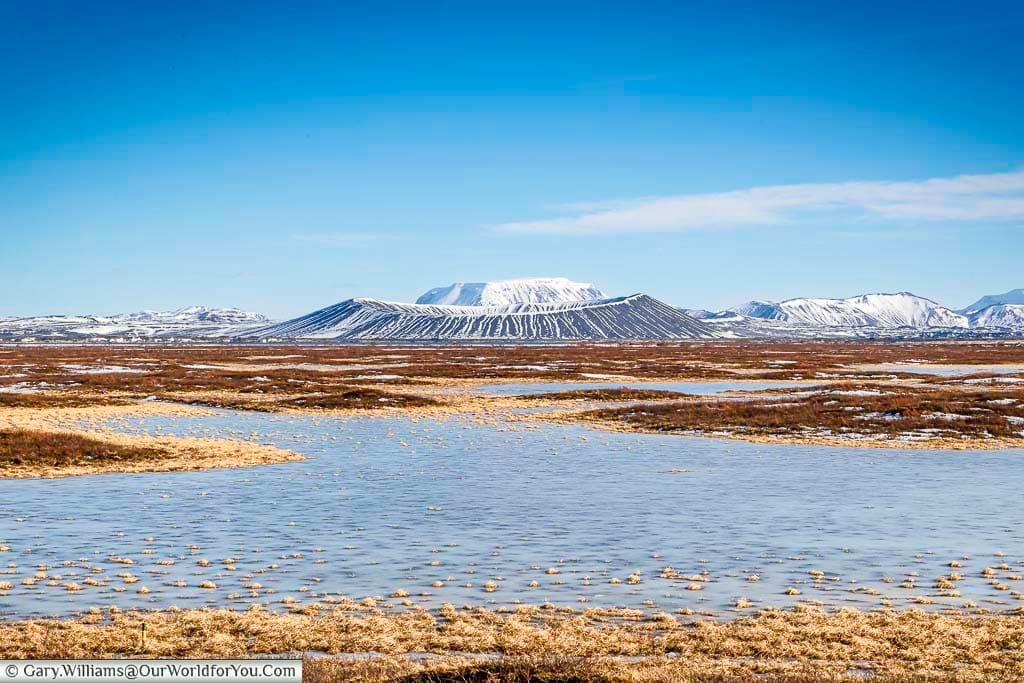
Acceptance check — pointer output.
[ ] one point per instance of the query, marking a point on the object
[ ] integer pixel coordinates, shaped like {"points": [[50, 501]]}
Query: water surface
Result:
{"points": [[386, 503]]}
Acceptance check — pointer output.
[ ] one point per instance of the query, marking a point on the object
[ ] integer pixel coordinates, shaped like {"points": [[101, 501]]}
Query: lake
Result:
{"points": [[387, 502]]}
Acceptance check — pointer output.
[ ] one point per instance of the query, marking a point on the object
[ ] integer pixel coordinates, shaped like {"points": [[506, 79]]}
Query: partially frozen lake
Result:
{"points": [[388, 503]]}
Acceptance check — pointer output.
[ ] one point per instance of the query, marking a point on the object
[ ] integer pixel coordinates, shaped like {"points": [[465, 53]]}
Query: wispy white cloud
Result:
{"points": [[340, 239], [991, 197]]}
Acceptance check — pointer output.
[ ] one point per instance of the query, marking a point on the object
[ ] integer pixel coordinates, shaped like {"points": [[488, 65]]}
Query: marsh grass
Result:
{"points": [[858, 409], [358, 377], [23, 448], [576, 670], [457, 670], [617, 394], [359, 398], [531, 643], [250, 370], [36, 443], [53, 399]]}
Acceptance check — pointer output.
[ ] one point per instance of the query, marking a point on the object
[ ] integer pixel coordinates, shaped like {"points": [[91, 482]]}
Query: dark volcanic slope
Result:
{"points": [[632, 317]]}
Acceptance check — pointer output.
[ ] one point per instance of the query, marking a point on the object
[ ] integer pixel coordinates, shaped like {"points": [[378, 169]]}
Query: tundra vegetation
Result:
{"points": [[543, 643], [859, 400], [49, 452], [851, 397], [152, 369], [21, 447], [852, 411], [606, 395]]}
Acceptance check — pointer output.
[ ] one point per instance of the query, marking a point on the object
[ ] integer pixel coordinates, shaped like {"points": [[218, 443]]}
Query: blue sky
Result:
{"points": [[283, 156]]}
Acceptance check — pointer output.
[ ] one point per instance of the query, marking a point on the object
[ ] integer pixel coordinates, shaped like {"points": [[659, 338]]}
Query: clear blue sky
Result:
{"points": [[283, 156]]}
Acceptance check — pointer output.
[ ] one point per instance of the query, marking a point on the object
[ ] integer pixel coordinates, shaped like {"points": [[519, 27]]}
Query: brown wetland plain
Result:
{"points": [[702, 511]]}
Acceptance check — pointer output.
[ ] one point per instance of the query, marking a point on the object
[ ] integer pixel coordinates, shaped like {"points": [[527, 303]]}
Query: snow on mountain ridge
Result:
{"points": [[506, 292], [189, 321], [881, 310], [759, 309], [195, 314], [1009, 316]]}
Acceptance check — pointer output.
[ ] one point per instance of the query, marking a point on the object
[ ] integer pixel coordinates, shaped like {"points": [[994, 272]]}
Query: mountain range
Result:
{"points": [[547, 309], [900, 314], [882, 311], [192, 321], [1004, 316], [887, 311]]}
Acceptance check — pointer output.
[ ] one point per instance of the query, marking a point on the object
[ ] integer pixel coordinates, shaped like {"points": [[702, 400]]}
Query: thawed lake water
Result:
{"points": [[388, 503]]}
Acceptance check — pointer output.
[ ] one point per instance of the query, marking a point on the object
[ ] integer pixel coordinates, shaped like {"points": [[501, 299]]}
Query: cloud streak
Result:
{"points": [[991, 197]]}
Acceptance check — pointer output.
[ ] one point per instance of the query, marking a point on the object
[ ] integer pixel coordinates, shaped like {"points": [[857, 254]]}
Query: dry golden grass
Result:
{"points": [[517, 669], [53, 399], [48, 443], [24, 448], [909, 645], [455, 670], [73, 454]]}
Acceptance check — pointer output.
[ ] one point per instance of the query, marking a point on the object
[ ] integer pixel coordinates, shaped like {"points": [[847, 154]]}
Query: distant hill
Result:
{"points": [[1014, 296], [632, 317], [200, 321], [885, 311]]}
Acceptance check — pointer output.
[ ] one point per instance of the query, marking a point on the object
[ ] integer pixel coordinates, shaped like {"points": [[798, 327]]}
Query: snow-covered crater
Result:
{"points": [[507, 292]]}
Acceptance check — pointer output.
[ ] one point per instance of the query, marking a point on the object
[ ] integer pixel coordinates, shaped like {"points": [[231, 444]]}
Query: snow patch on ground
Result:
{"points": [[101, 369]]}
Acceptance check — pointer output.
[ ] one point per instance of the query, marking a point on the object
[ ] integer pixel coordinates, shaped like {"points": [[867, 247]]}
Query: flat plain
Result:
{"points": [[685, 511]]}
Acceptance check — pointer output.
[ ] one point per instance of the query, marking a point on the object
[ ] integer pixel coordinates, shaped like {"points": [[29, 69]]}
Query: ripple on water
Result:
{"points": [[458, 511]]}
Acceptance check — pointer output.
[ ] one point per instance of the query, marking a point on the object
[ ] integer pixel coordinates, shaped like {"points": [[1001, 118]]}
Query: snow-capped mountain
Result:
{"points": [[884, 311], [1008, 316], [198, 314], [1014, 296], [764, 310], [193, 321], [867, 316], [508, 292], [632, 317], [700, 313], [547, 309]]}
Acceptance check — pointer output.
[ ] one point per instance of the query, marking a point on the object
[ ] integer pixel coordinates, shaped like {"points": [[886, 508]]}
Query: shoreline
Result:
{"points": [[200, 454], [948, 444], [94, 415]]}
